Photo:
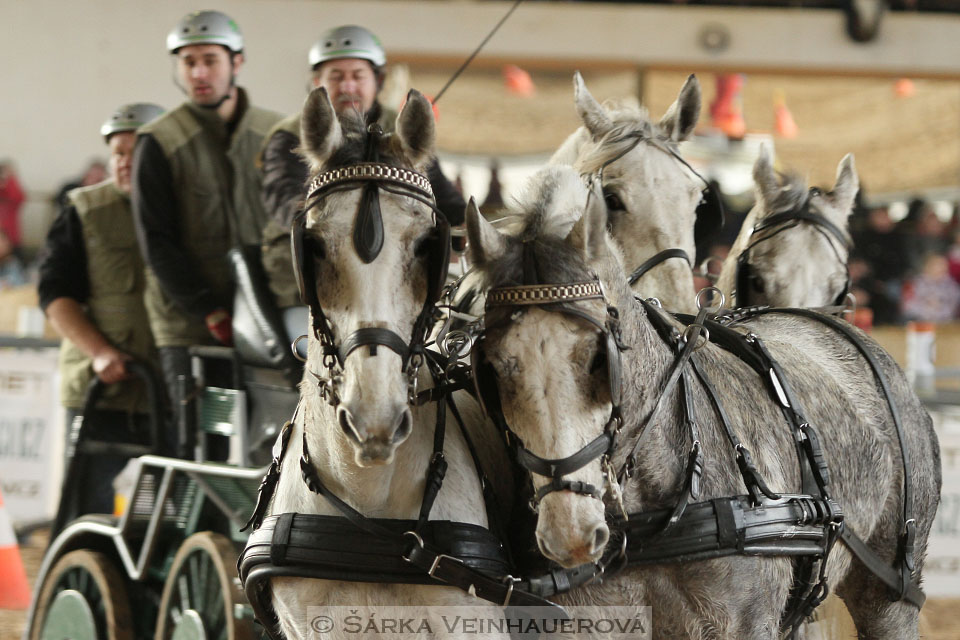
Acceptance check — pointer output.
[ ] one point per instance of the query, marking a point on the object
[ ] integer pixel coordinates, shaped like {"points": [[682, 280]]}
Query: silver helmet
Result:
{"points": [[348, 41], [130, 117], [205, 27]]}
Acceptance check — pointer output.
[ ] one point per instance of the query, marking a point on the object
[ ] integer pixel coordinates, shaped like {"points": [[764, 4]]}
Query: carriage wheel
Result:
{"points": [[201, 593], [83, 597]]}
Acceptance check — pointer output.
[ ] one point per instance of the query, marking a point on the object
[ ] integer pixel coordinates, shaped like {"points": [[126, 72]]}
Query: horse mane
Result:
{"points": [[630, 123], [542, 217], [791, 194]]}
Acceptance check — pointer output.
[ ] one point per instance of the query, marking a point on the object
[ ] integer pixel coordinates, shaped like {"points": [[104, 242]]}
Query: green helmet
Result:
{"points": [[348, 41], [130, 117], [205, 27]]}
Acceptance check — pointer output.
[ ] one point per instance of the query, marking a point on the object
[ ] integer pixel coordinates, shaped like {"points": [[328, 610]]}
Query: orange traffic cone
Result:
{"points": [[14, 590], [784, 124]]}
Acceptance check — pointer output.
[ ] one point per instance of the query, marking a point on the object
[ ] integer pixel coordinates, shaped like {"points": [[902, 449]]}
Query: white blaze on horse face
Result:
{"points": [[386, 293], [556, 404]]}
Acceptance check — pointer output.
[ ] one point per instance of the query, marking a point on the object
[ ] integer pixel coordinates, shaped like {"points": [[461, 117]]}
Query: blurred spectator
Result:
{"points": [[881, 246], [95, 173], [925, 235], [12, 273], [11, 197], [708, 269], [872, 293], [953, 256], [932, 296]]}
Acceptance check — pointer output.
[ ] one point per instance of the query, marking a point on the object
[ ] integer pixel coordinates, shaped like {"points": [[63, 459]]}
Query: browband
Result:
{"points": [[369, 171], [544, 293]]}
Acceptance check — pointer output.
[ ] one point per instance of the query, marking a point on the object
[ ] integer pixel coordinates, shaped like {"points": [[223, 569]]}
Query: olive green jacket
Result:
{"points": [[115, 306], [218, 192], [276, 255]]}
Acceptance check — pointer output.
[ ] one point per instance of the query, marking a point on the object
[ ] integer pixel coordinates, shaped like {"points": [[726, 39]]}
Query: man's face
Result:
{"points": [[350, 83], [205, 72], [121, 158]]}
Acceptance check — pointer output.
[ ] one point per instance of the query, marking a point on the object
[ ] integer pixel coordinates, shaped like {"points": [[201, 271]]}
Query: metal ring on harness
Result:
{"points": [[417, 538], [704, 333], [712, 291], [296, 352]]}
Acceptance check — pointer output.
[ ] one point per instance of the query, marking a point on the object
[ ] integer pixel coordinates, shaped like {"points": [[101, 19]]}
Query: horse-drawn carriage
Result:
{"points": [[165, 567]]}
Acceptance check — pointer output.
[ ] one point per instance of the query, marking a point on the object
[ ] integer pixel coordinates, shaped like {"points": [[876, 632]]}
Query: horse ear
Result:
{"points": [[589, 233], [681, 118], [416, 131], [320, 132], [594, 116], [485, 243], [847, 185], [764, 176]]}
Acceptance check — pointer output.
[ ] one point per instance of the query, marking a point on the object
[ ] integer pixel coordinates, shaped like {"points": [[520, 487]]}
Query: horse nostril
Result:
{"points": [[600, 537], [404, 428], [346, 424]]}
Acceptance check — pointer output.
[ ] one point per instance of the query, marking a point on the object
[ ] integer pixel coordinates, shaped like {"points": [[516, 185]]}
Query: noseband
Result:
{"points": [[773, 225], [370, 176], [554, 297]]}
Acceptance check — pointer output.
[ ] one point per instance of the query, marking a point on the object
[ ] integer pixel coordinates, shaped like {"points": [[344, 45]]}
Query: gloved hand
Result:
{"points": [[220, 326]]}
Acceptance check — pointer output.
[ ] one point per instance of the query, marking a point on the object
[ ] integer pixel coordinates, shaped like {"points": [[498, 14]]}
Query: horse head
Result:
{"points": [[651, 196], [370, 254], [549, 350], [794, 254]]}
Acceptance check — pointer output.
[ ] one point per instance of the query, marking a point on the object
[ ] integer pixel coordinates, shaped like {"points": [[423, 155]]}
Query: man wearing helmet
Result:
{"points": [[196, 190], [91, 288], [348, 61]]}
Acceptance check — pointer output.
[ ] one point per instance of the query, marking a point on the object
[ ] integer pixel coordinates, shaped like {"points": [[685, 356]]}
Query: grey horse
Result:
{"points": [[555, 393]]}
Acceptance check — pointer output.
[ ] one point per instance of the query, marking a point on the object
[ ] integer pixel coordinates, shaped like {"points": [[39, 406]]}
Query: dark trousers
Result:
{"points": [[176, 362]]}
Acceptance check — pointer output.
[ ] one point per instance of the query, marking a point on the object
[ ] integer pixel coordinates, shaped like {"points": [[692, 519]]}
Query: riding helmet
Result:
{"points": [[130, 117], [349, 41], [205, 27]]}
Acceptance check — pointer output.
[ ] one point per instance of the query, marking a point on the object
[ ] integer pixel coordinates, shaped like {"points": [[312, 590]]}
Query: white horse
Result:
{"points": [[556, 386], [792, 261], [651, 196], [371, 447]]}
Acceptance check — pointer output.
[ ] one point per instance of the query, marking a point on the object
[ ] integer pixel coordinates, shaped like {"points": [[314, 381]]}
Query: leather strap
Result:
{"points": [[882, 569], [663, 256], [372, 337]]}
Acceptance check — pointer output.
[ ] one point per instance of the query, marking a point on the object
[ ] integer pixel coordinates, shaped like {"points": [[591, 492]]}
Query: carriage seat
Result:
{"points": [[259, 336]]}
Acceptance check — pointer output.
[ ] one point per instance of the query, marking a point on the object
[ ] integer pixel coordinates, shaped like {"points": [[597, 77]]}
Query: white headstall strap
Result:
{"points": [[370, 171], [544, 294]]}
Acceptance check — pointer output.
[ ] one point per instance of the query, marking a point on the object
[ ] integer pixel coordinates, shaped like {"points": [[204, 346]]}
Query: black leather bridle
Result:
{"points": [[371, 176], [709, 213], [555, 297], [771, 226]]}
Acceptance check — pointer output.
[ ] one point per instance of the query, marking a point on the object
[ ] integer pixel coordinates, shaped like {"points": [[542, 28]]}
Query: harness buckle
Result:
{"points": [[436, 563], [508, 580]]}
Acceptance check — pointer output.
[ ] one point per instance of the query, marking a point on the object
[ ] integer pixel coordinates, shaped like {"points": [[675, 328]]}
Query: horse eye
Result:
{"points": [[757, 283], [422, 246], [614, 203], [313, 246], [599, 361]]}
